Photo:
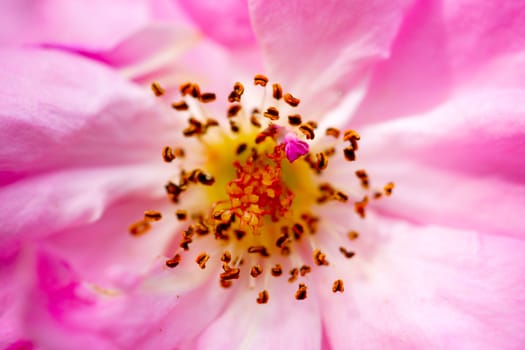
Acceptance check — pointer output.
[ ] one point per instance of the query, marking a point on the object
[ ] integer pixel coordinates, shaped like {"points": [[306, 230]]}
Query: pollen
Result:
{"points": [[251, 186]]}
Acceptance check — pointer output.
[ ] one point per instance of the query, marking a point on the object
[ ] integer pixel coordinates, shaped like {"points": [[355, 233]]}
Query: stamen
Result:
{"points": [[334, 132], [348, 254], [231, 274], [277, 91], [305, 269], [263, 297], [294, 273], [152, 215], [207, 97], [294, 119], [202, 259], [256, 270], [292, 101], [349, 153], [233, 110], [308, 131], [139, 228], [157, 89], [260, 79], [259, 249], [338, 286], [301, 293], [272, 113], [180, 106], [181, 214], [167, 154], [320, 258], [226, 257], [277, 270], [173, 262], [353, 235], [388, 188]]}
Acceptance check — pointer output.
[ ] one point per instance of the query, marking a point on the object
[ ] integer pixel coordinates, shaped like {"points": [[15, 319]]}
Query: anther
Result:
{"points": [[277, 270], [353, 137], [225, 283], [294, 119], [294, 273], [272, 113], [298, 231], [157, 89], [173, 262], [195, 91], [349, 153], [152, 215], [167, 154], [260, 249], [255, 121], [226, 256], [312, 124], [234, 127], [207, 97], [263, 297], [260, 79], [139, 228], [348, 254], [301, 292], [241, 148], [178, 152], [185, 243], [235, 95], [320, 258], [341, 197], [338, 286], [292, 101], [231, 274], [388, 188], [256, 270], [211, 122], [180, 106], [308, 131], [277, 91], [305, 269], [185, 89], [334, 132], [233, 110], [181, 214], [201, 260], [360, 206], [281, 240], [353, 235], [205, 179], [322, 161]]}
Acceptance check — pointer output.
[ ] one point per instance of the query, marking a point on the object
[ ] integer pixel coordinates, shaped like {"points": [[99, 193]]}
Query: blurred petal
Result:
{"points": [[460, 165], [227, 22], [321, 50], [62, 110], [481, 134], [282, 322], [48, 203], [431, 287], [445, 46], [83, 24]]}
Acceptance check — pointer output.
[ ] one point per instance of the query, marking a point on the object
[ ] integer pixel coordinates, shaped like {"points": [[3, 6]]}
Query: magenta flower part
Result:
{"points": [[262, 174], [294, 147]]}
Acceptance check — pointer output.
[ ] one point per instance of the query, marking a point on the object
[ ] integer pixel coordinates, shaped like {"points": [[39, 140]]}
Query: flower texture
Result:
{"points": [[270, 174]]}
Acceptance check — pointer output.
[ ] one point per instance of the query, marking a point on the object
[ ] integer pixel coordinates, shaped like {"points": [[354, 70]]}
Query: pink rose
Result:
{"points": [[417, 243]]}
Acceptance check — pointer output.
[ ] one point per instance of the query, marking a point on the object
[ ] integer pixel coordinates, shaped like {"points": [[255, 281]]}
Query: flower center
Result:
{"points": [[249, 189]]}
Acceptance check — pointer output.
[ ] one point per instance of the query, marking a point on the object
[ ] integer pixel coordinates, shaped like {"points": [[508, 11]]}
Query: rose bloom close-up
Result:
{"points": [[262, 174]]}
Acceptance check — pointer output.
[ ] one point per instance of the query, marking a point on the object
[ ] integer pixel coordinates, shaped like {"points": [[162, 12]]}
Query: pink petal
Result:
{"points": [[478, 133], [41, 205], [460, 165], [443, 47], [322, 50], [61, 110], [227, 22], [283, 322], [90, 24], [429, 287], [63, 302]]}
